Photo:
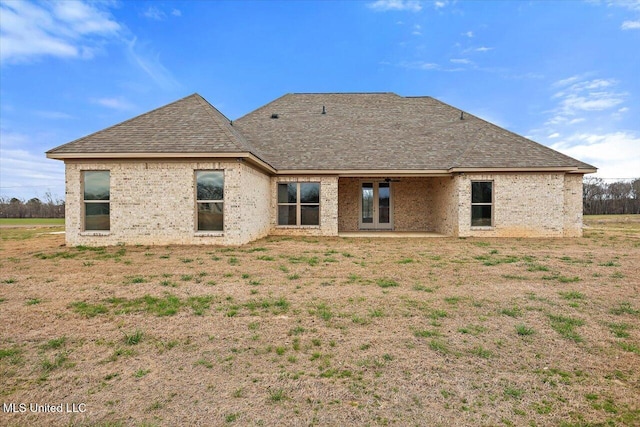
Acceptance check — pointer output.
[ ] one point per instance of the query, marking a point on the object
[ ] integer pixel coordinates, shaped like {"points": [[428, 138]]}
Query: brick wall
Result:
{"points": [[525, 205], [412, 204], [445, 205], [348, 204], [153, 202], [572, 205]]}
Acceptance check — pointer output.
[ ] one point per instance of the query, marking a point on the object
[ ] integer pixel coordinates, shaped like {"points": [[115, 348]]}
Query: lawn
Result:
{"points": [[28, 222], [326, 331]]}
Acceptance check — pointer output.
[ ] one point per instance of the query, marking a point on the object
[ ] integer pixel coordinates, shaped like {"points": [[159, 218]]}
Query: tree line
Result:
{"points": [[600, 197], [49, 207]]}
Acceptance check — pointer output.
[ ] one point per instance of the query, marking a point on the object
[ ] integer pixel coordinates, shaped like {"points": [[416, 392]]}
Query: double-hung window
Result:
{"points": [[210, 200], [96, 190], [299, 203], [481, 203]]}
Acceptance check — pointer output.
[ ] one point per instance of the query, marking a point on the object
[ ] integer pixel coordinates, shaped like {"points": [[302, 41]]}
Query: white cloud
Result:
{"points": [[398, 5], [594, 101], [114, 103], [176, 12], [13, 139], [578, 96], [154, 13], [420, 65], [150, 63], [468, 34], [616, 155], [439, 4], [54, 115], [633, 6], [630, 25], [554, 135], [24, 174], [69, 29], [627, 4], [623, 110], [567, 81], [84, 18], [427, 66], [529, 75], [461, 61], [483, 49]]}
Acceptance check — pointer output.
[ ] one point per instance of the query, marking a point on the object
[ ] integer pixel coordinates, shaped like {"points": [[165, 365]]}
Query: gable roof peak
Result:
{"points": [[188, 125]]}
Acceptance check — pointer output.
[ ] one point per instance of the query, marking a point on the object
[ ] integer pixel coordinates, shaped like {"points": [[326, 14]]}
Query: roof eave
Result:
{"points": [[248, 157], [373, 173], [565, 169]]}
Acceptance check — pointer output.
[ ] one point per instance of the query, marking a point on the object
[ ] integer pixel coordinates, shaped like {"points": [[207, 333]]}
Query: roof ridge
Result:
{"points": [[212, 111], [267, 105], [125, 121], [263, 107], [456, 161], [488, 124], [233, 132], [343, 93]]}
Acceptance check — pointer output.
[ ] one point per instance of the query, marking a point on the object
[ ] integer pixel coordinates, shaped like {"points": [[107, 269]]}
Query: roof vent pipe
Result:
{"points": [[324, 111], [461, 115]]}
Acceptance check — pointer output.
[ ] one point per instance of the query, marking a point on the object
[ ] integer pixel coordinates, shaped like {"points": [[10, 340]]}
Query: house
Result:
{"points": [[314, 165]]}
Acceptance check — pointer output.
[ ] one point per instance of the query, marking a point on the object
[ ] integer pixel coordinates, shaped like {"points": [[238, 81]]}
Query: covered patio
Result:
{"points": [[396, 206]]}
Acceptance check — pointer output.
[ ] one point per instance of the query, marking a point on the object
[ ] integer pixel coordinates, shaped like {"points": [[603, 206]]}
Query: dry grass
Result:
{"points": [[326, 331]]}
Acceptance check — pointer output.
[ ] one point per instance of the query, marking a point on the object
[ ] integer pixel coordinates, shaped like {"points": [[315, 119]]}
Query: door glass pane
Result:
{"points": [[367, 203], [383, 203]]}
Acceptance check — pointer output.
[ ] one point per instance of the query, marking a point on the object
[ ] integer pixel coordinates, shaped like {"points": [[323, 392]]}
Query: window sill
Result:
{"points": [[209, 234], [298, 226], [482, 228], [95, 233]]}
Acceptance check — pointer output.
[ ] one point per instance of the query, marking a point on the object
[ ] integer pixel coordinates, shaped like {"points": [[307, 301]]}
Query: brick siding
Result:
{"points": [[153, 203]]}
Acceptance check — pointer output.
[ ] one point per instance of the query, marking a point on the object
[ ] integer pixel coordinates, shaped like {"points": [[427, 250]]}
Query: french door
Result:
{"points": [[376, 209]]}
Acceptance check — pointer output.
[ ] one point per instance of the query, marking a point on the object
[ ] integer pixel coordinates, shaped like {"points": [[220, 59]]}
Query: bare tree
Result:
{"points": [[617, 197], [33, 208]]}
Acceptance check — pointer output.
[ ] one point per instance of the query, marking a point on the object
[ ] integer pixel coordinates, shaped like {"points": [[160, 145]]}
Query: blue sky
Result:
{"points": [[564, 73]]}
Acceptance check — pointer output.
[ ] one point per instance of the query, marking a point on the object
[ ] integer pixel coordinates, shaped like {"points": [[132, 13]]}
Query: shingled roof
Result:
{"points": [[328, 132], [384, 131], [189, 125]]}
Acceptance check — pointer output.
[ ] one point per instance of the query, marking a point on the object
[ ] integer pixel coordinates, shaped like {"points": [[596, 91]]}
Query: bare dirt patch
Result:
{"points": [[325, 331]]}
